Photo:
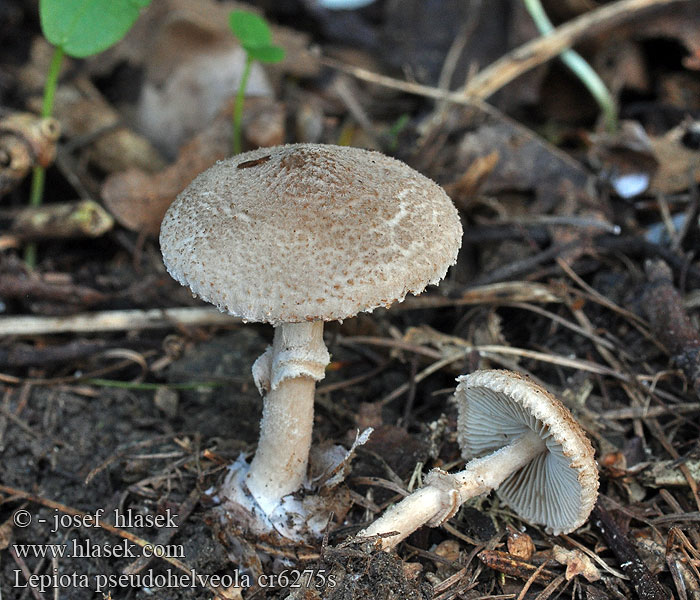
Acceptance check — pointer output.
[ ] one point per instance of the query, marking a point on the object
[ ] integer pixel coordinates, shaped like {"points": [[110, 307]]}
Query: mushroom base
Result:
{"points": [[292, 518], [440, 499]]}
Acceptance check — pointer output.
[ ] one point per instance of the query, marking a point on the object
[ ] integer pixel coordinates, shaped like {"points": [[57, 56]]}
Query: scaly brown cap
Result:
{"points": [[309, 232]]}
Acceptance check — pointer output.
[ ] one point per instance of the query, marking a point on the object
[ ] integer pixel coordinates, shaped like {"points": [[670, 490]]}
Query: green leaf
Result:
{"points": [[85, 27], [266, 54], [251, 30]]}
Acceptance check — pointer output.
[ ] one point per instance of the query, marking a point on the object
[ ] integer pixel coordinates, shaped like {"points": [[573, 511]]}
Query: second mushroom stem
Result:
{"points": [[443, 493], [287, 372]]}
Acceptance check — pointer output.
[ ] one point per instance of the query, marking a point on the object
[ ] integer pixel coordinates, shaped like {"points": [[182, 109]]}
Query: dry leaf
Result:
{"points": [[5, 534], [138, 200], [193, 65], [577, 563], [520, 545], [468, 185], [84, 113], [679, 163], [526, 161], [449, 550]]}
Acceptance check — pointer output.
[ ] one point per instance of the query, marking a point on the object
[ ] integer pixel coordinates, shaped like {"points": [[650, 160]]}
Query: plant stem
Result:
{"points": [[52, 82], [140, 385], [579, 67], [38, 173], [238, 106]]}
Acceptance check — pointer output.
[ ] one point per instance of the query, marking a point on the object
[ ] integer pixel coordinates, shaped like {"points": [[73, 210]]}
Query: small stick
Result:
{"points": [[26, 572], [628, 245], [124, 451], [645, 583], [670, 322], [24, 355], [515, 567], [81, 219], [515, 63], [166, 533], [644, 412], [115, 320], [540, 50], [15, 286]]}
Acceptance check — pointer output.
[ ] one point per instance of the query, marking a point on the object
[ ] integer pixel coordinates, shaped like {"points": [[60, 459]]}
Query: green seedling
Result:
{"points": [[395, 131], [78, 28], [255, 38], [578, 65]]}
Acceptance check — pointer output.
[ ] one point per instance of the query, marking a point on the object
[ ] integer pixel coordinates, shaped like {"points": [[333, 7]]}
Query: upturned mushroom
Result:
{"points": [[294, 236], [522, 442]]}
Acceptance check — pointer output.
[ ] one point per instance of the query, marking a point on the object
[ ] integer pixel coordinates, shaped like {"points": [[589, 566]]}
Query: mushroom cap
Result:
{"points": [[308, 232], [558, 488]]}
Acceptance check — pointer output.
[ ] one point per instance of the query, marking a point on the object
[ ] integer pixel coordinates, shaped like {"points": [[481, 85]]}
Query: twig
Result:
{"points": [[525, 265], [81, 219], [25, 355], [503, 292], [594, 557], [14, 286], [517, 62], [540, 50], [532, 580], [562, 221], [515, 567], [642, 412], [645, 583], [638, 246], [343, 87], [120, 453], [26, 572], [418, 377], [569, 325], [578, 65], [8, 414], [628, 245], [670, 322], [574, 363], [659, 434], [550, 589], [115, 320], [166, 533]]}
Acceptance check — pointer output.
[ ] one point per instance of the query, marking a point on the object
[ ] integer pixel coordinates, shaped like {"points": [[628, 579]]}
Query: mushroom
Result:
{"points": [[294, 236], [519, 440]]}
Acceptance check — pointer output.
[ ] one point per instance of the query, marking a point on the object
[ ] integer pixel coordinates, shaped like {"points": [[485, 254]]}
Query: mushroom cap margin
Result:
{"points": [[496, 407]]}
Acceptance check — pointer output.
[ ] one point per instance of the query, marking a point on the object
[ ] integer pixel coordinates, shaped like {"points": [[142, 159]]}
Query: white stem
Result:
{"points": [[288, 372], [444, 493]]}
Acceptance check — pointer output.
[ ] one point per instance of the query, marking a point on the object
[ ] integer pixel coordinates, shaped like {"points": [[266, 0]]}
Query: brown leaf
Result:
{"points": [[468, 185], [577, 563], [679, 164], [520, 545], [138, 200], [526, 161], [5, 534]]}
